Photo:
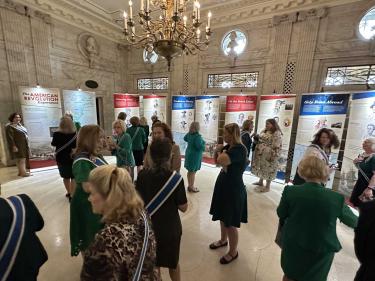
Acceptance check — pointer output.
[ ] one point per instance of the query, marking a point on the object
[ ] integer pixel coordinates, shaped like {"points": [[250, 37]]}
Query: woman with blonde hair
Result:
{"points": [[84, 224], [122, 146], [308, 215], [193, 154], [113, 196], [64, 139], [229, 201], [266, 155]]}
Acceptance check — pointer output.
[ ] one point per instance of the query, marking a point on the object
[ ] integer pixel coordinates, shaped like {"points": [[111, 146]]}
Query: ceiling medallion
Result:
{"points": [[170, 34]]}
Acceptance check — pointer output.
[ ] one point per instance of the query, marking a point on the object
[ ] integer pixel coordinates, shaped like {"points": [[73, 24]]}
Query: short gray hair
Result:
{"points": [[194, 127], [372, 141]]}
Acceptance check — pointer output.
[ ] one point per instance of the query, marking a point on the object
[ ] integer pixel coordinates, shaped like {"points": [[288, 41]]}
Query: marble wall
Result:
{"points": [[35, 48]]}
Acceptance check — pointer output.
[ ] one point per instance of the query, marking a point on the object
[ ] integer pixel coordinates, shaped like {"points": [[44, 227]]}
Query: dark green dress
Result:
{"points": [[84, 224], [229, 201], [194, 151]]}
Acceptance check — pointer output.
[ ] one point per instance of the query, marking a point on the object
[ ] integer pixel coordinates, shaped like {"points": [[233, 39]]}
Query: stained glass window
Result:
{"points": [[160, 83], [234, 42], [367, 24], [233, 80], [350, 75]]}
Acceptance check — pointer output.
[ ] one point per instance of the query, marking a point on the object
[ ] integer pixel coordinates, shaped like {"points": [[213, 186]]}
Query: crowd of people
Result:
{"points": [[124, 218]]}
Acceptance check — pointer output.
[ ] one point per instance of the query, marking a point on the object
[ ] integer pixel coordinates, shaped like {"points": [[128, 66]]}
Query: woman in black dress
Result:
{"points": [[166, 220], [229, 201], [65, 141]]}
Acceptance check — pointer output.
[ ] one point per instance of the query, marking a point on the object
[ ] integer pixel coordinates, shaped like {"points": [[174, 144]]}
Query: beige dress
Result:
{"points": [[266, 155], [175, 158]]}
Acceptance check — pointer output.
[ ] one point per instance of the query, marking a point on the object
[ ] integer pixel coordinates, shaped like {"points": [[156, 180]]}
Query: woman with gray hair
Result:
{"points": [[193, 154], [365, 162]]}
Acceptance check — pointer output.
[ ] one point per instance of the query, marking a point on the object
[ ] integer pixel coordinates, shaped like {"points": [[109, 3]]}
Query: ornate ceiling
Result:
{"points": [[99, 16]]}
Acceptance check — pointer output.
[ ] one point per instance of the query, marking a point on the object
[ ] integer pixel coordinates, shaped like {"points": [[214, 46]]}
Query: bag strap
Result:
{"points": [[138, 271], [10, 249], [322, 152], [164, 193], [135, 134], [363, 172], [66, 144]]}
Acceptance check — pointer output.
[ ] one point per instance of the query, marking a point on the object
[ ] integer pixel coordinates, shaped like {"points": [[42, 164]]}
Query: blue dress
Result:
{"points": [[229, 201], [194, 151]]}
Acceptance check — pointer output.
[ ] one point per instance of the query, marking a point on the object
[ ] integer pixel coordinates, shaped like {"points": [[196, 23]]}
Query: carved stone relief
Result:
{"points": [[89, 48]]}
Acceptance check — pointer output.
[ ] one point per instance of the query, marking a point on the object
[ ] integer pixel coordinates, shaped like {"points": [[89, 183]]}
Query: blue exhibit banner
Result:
{"points": [[364, 95], [205, 97], [183, 102], [324, 104]]}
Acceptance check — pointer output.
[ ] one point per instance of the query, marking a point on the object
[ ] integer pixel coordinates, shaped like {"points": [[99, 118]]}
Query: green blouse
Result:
{"points": [[84, 224]]}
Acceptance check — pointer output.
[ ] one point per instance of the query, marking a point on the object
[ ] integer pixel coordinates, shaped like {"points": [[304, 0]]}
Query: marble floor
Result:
{"points": [[259, 256]]}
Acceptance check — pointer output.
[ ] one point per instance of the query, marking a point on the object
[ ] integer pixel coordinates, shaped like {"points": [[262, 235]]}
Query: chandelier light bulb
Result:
{"points": [[209, 19]]}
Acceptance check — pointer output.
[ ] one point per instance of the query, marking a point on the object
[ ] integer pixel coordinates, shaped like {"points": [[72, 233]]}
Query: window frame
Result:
{"points": [[152, 83], [371, 67], [228, 33], [257, 73]]}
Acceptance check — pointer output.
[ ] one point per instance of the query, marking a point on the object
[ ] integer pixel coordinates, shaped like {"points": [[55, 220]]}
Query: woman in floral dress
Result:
{"points": [[266, 155]]}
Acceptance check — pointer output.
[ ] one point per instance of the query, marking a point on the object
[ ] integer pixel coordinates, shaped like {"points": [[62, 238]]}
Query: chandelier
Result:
{"points": [[170, 34]]}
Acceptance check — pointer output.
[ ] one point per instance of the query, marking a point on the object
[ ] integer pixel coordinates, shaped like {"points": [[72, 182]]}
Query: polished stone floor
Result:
{"points": [[259, 256]]}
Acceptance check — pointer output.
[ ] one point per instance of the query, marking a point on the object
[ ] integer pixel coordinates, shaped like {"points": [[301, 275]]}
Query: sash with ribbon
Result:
{"points": [[66, 145], [164, 193], [85, 157], [138, 271], [135, 134], [10, 249]]}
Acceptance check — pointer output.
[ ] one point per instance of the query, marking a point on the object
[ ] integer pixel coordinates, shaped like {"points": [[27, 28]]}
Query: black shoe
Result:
{"points": [[223, 260]]}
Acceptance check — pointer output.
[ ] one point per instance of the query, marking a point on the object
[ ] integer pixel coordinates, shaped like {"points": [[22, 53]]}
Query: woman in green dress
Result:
{"points": [[193, 154], [229, 201], [138, 137], [308, 215], [122, 147], [84, 224]]}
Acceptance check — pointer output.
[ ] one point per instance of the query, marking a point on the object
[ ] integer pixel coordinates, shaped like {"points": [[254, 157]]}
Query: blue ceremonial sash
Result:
{"points": [[96, 162], [164, 193], [10, 249], [138, 271]]}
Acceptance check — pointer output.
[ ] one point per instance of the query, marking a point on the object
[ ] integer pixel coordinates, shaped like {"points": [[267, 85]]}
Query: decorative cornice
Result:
{"points": [[229, 13], [25, 10], [312, 13]]}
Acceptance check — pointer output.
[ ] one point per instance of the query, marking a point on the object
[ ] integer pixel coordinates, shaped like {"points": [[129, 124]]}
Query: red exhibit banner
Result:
{"points": [[241, 103], [153, 97], [125, 100]]}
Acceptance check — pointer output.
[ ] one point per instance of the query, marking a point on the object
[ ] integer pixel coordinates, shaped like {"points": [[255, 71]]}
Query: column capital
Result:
{"points": [[25, 10]]}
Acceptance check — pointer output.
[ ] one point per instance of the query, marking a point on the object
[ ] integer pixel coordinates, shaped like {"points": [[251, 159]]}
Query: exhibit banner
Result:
{"points": [[182, 117], [281, 108], [128, 104], [207, 110], [239, 108], [361, 126], [319, 111], [41, 112], [82, 104], [155, 105]]}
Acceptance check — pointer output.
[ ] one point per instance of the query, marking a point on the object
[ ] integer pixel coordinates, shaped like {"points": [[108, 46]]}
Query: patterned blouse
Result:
{"points": [[115, 252]]}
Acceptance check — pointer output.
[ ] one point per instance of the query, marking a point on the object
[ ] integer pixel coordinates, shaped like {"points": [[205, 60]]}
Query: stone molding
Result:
{"points": [[300, 16], [25, 10], [231, 13]]}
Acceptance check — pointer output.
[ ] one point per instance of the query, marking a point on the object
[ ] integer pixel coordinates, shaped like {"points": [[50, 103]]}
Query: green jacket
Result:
{"points": [[138, 139], [124, 153], [310, 212]]}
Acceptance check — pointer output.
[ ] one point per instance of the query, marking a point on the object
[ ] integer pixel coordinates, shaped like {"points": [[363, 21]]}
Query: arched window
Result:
{"points": [[149, 55], [367, 24], [234, 43]]}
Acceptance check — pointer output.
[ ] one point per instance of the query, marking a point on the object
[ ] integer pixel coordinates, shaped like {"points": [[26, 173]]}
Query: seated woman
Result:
{"points": [[27, 253], [116, 252], [165, 218], [308, 215]]}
